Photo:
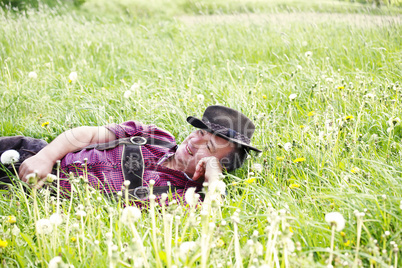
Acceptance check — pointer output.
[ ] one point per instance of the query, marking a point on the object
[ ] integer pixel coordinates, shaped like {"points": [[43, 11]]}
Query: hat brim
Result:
{"points": [[195, 122]]}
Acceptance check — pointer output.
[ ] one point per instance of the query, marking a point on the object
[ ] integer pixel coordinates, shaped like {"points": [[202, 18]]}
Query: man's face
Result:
{"points": [[200, 144]]}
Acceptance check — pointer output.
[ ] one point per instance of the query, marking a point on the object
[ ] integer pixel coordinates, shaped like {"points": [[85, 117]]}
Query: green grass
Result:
{"points": [[252, 62]]}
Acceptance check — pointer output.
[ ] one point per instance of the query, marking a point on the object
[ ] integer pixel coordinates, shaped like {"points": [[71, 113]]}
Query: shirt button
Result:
{"points": [[90, 167], [114, 167]]}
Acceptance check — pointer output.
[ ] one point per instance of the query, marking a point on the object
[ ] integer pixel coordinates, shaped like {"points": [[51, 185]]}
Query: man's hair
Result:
{"points": [[234, 159]]}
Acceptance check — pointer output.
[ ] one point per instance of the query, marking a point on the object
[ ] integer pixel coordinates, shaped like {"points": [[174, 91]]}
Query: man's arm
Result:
{"points": [[67, 142]]}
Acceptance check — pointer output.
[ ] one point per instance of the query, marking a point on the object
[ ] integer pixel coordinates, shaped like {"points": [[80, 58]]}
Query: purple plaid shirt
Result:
{"points": [[104, 167]]}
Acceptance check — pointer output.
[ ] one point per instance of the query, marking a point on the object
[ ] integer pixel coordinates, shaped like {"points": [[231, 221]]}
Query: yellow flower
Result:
{"points": [[220, 243], [280, 158], [294, 185], [73, 239], [264, 97], [347, 243], [250, 180], [70, 80], [355, 170], [311, 113], [302, 126], [300, 159], [12, 219], [341, 87], [234, 183], [191, 100], [45, 124], [181, 100], [3, 244], [349, 117], [290, 229], [343, 234]]}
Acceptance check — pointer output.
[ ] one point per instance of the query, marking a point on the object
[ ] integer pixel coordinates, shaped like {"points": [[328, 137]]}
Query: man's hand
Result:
{"points": [[209, 168], [41, 165]]}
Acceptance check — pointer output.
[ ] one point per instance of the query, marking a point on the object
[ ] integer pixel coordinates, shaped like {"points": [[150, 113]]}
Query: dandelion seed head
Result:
{"points": [[73, 76], [32, 75], [287, 146], [56, 219], [292, 96], [337, 219], [126, 183], [9, 156], [55, 262], [308, 54], [257, 167], [130, 214], [127, 94], [44, 226]]}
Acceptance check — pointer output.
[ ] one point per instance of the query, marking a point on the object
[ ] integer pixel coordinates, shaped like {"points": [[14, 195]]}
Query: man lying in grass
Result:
{"points": [[133, 154]]}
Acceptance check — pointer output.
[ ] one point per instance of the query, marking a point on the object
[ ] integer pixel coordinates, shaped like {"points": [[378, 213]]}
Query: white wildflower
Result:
{"points": [[292, 96], [32, 75], [190, 197], [308, 54], [51, 178], [304, 43], [73, 76], [216, 187], [55, 262], [127, 94], [337, 219], [394, 121], [200, 98], [44, 226], [135, 87], [288, 146], [127, 183], [186, 247], [290, 245], [9, 156], [299, 67], [257, 167], [369, 96], [130, 215], [56, 219], [329, 80], [15, 231], [387, 233], [80, 214]]}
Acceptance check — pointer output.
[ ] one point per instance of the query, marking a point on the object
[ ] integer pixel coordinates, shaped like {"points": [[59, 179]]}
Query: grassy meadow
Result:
{"points": [[321, 79]]}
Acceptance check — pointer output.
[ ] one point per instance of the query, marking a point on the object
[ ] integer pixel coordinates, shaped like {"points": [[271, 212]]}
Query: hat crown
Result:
{"points": [[230, 119]]}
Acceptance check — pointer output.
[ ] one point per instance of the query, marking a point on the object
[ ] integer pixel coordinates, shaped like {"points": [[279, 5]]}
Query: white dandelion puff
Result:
{"points": [[44, 226], [80, 214], [130, 214], [335, 218], [127, 94], [56, 219], [32, 75], [186, 247], [55, 262], [292, 96], [190, 196], [135, 87], [257, 167], [308, 54], [73, 76], [287, 146], [200, 98], [9, 156]]}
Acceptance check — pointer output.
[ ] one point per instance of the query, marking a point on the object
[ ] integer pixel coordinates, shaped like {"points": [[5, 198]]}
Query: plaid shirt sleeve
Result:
{"points": [[132, 128]]}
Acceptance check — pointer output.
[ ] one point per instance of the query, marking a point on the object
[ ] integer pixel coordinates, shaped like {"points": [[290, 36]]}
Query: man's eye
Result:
{"points": [[201, 132]]}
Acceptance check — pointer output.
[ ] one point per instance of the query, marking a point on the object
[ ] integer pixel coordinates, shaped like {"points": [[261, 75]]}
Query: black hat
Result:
{"points": [[226, 123]]}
